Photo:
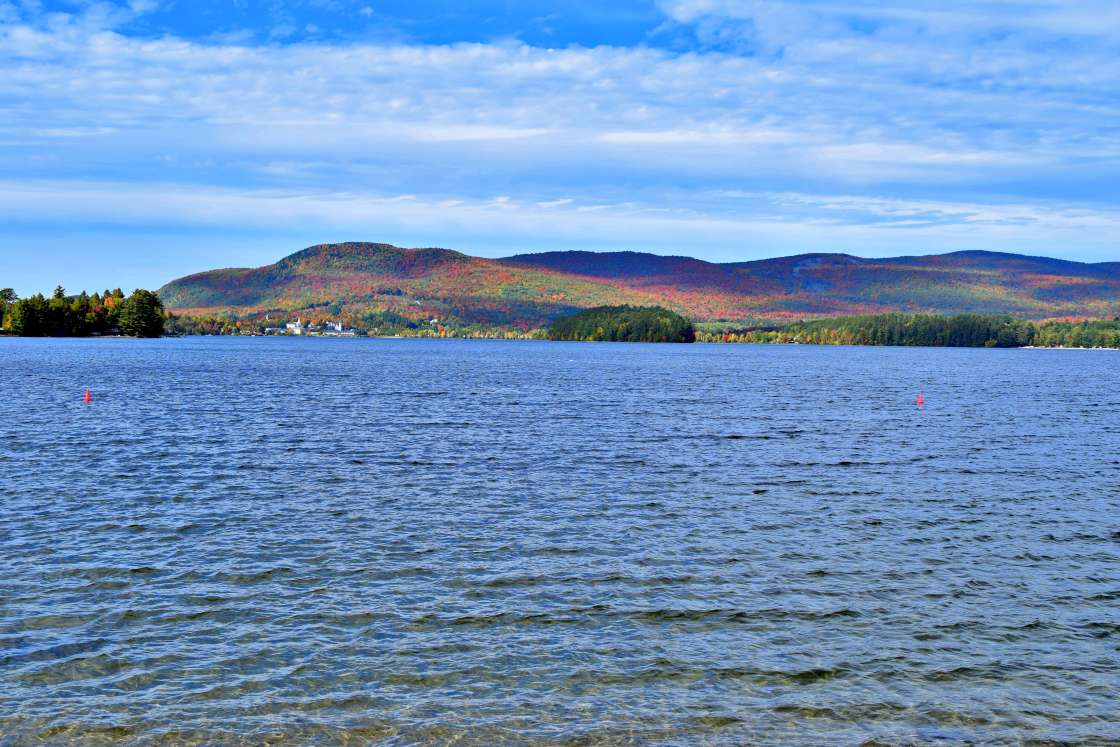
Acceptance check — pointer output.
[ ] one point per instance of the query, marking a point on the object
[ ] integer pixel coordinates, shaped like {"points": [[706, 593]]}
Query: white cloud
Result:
{"points": [[740, 225], [789, 18], [662, 111], [936, 214], [983, 47], [805, 99]]}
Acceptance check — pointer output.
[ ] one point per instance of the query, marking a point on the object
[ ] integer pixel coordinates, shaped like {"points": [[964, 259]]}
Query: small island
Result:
{"points": [[623, 324]]}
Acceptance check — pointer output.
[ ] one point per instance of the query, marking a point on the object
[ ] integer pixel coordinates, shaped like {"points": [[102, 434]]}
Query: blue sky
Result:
{"points": [[144, 140]]}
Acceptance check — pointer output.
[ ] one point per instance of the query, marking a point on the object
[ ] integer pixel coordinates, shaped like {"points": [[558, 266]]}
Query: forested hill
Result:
{"points": [[372, 281]]}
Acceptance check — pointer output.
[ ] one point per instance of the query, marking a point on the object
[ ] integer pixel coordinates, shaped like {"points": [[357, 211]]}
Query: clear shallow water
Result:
{"points": [[414, 542]]}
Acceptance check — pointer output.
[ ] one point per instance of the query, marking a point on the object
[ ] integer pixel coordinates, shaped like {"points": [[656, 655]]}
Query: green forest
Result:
{"points": [[960, 331], [138, 315], [623, 324]]}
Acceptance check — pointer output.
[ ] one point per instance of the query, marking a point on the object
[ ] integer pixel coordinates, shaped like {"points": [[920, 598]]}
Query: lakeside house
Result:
{"points": [[300, 328], [336, 329]]}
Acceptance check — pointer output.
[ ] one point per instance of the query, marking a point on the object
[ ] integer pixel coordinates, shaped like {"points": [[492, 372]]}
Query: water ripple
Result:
{"points": [[291, 542]]}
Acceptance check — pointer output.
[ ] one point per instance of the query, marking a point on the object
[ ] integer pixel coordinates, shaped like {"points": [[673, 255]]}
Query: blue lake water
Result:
{"points": [[297, 541]]}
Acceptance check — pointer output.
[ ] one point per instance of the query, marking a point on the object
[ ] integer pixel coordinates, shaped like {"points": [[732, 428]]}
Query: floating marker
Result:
{"points": [[88, 398], [921, 399]]}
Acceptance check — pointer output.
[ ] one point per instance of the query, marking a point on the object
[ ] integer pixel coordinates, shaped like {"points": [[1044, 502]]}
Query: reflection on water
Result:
{"points": [[331, 541]]}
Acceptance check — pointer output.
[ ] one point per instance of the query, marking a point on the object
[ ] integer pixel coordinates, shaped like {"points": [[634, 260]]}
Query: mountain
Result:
{"points": [[366, 280], [358, 279]]}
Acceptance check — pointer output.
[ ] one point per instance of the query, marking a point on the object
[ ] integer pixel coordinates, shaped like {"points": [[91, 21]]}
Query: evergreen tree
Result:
{"points": [[31, 317], [141, 315], [624, 324], [7, 298]]}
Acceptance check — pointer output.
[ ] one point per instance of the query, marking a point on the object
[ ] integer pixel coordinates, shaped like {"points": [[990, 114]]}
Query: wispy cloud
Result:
{"points": [[580, 105], [737, 224], [992, 125]]}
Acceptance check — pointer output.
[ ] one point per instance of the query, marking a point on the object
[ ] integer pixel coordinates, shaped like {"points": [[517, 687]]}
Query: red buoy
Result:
{"points": [[921, 399], [88, 397]]}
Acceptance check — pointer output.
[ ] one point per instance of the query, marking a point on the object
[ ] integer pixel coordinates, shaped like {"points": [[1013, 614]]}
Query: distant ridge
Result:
{"points": [[528, 290]]}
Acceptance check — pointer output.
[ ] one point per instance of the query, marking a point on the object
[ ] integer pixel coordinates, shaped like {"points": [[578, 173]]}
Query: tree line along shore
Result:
{"points": [[928, 330], [142, 314]]}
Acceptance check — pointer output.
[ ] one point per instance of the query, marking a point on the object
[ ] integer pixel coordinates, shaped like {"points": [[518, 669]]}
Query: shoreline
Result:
{"points": [[545, 339]]}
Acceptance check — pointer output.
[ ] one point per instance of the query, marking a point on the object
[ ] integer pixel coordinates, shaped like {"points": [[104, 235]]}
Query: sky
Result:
{"points": [[142, 140]]}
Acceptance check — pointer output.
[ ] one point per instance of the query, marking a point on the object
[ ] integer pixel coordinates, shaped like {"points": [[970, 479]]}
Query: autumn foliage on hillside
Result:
{"points": [[356, 281]]}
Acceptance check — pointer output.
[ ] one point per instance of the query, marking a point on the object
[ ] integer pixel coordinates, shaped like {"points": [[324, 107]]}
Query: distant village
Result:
{"points": [[300, 328]]}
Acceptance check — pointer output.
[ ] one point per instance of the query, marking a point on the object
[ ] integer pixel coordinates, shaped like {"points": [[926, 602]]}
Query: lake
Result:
{"points": [[311, 541]]}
